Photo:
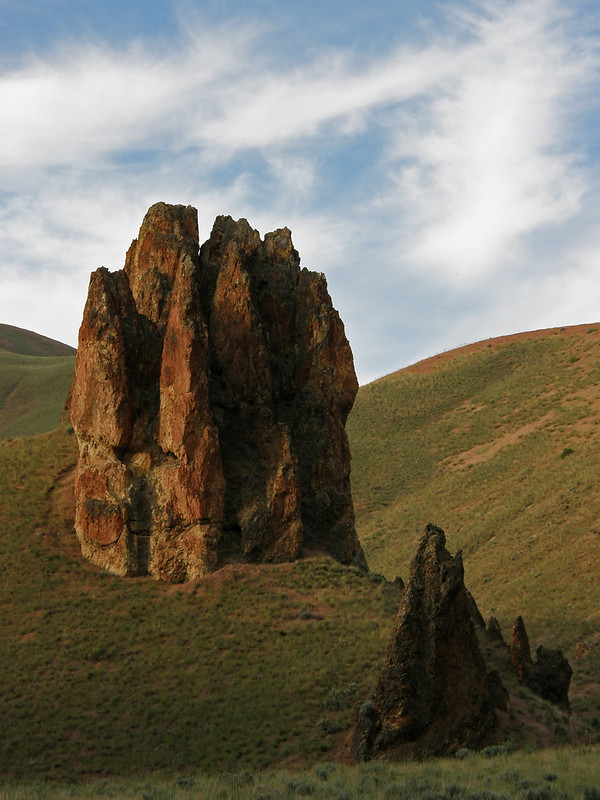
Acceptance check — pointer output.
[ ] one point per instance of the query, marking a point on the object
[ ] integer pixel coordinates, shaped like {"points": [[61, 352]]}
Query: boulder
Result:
{"points": [[551, 676], [210, 397], [433, 695]]}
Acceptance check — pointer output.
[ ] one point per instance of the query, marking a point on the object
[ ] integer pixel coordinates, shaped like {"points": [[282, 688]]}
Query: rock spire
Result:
{"points": [[211, 392], [433, 695]]}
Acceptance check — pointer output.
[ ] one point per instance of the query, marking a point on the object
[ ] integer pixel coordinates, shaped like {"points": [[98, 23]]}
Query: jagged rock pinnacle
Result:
{"points": [[211, 392]]}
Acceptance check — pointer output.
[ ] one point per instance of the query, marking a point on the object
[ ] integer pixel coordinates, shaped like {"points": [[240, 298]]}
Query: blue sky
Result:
{"points": [[438, 161]]}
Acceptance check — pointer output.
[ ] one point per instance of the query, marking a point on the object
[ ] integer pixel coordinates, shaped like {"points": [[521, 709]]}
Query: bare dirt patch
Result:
{"points": [[484, 452]]}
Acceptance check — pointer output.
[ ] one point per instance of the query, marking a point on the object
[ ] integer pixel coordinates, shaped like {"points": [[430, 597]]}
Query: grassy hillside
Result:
{"points": [[498, 443], [35, 375], [250, 667], [28, 343], [255, 668]]}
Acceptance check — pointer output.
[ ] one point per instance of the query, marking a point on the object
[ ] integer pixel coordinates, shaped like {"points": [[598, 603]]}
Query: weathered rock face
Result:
{"points": [[210, 396], [433, 694]]}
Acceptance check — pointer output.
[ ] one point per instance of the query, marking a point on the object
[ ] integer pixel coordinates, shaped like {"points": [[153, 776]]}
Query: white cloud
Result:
{"points": [[488, 160], [90, 101], [466, 156]]}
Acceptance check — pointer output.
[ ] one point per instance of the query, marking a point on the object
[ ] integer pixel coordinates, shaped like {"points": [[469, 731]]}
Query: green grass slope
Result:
{"points": [[33, 390], [28, 343], [35, 375], [102, 675], [498, 443], [252, 668], [257, 668]]}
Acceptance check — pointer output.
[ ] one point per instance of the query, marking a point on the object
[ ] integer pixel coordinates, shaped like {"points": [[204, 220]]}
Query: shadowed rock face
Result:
{"points": [[549, 675], [433, 694], [494, 631], [210, 397]]}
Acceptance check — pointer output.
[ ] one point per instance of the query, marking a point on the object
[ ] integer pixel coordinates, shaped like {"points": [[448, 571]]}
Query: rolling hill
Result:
{"points": [[28, 343], [498, 443], [35, 375], [262, 667]]}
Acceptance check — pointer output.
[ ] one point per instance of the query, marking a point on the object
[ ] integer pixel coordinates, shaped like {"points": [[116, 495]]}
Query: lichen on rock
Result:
{"points": [[211, 391]]}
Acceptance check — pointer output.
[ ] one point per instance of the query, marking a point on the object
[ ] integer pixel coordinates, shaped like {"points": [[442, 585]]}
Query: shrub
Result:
{"points": [[329, 725], [499, 749], [325, 771], [244, 778], [542, 793], [394, 791], [303, 787], [339, 699], [463, 752]]}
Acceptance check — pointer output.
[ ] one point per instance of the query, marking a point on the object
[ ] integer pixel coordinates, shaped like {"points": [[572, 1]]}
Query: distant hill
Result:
{"points": [[35, 375], [499, 444], [27, 343]]}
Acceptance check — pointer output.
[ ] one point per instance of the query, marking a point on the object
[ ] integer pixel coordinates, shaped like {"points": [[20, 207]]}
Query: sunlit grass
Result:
{"points": [[33, 390]]}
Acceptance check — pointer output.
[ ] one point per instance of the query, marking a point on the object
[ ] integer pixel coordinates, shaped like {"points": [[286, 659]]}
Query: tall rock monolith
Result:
{"points": [[211, 391]]}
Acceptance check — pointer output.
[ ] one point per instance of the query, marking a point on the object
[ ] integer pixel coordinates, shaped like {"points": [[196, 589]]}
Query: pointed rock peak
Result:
{"points": [[549, 675], [433, 693], [168, 237], [520, 651], [494, 631]]}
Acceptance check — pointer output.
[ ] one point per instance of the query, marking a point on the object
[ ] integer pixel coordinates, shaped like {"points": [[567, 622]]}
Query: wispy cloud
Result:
{"points": [[409, 179], [489, 160]]}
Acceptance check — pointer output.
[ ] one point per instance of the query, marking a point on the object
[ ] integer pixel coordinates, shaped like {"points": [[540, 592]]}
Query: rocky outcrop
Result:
{"points": [[433, 695], [552, 676], [520, 651], [210, 397], [549, 675], [494, 631]]}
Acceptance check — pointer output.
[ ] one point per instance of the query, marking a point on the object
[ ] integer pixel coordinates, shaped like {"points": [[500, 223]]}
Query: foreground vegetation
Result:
{"points": [[547, 775]]}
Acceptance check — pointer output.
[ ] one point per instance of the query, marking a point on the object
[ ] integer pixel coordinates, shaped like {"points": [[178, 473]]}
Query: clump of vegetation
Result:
{"points": [[570, 774]]}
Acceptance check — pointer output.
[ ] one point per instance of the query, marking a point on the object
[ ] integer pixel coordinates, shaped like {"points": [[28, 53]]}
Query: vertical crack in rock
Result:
{"points": [[211, 392]]}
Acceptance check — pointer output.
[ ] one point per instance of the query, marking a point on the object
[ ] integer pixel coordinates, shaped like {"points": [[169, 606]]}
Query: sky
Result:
{"points": [[438, 161]]}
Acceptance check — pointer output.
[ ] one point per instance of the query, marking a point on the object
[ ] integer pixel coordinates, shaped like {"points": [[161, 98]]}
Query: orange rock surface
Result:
{"points": [[211, 391]]}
